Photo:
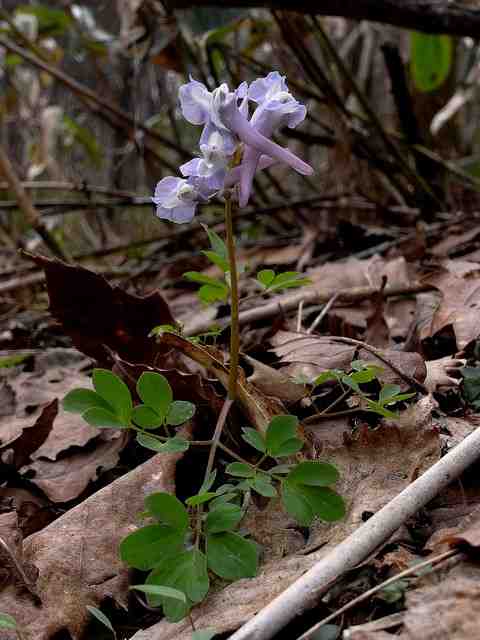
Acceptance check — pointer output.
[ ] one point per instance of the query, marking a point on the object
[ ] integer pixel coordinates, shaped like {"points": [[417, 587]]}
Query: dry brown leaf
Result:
{"points": [[32, 391], [94, 313], [273, 382], [444, 372], [459, 283], [448, 610], [67, 477], [77, 555]]}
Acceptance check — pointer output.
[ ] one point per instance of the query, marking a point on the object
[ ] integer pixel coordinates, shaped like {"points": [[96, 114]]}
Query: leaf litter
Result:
{"points": [[77, 552]]}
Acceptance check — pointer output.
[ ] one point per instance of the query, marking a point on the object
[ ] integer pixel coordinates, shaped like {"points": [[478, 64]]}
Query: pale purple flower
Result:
{"points": [[276, 108], [176, 199], [226, 124], [200, 106], [208, 173]]}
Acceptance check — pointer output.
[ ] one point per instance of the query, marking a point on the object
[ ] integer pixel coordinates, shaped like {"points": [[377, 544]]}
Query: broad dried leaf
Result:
{"points": [[94, 313], [459, 283], [33, 437], [66, 478], [77, 555]]}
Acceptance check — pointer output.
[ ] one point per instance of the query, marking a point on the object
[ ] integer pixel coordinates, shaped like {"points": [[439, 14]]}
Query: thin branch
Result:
{"points": [[305, 592], [435, 560], [32, 216], [431, 16]]}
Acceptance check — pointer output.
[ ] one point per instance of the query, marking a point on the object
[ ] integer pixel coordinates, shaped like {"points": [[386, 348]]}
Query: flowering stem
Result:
{"points": [[234, 325]]}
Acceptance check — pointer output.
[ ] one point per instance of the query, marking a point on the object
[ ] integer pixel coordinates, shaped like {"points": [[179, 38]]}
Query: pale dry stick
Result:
{"points": [[299, 316], [25, 204], [291, 301], [323, 313], [364, 596], [305, 592]]}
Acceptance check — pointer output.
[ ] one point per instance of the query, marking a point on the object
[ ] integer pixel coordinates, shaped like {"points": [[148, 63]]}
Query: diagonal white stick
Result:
{"points": [[305, 592]]}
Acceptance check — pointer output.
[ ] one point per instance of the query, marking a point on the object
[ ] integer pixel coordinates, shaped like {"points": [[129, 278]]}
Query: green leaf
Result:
{"points": [[263, 485], [288, 448], [187, 572], [114, 391], [254, 439], [388, 393], [216, 242], [79, 400], [376, 407], [240, 470], [146, 417], [325, 376], [305, 503], [281, 468], [101, 617], [167, 509], [232, 557], [12, 361], [203, 634], [200, 498], [98, 417], [280, 429], [289, 280], [155, 391], [144, 548], [172, 445], [219, 261], [158, 590], [7, 621], [430, 59], [224, 517], [207, 483], [180, 411], [314, 474], [200, 278], [210, 293], [363, 376], [266, 277]]}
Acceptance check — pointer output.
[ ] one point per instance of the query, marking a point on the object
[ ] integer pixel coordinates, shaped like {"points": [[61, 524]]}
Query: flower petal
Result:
{"points": [[181, 214], [195, 102], [250, 136]]}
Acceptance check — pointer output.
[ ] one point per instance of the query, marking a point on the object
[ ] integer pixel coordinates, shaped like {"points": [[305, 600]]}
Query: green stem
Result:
{"points": [[234, 324]]}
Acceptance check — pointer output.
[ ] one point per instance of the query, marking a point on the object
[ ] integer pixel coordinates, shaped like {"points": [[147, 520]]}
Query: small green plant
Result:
{"points": [[110, 404], [217, 290], [186, 541], [362, 373], [271, 281], [102, 618]]}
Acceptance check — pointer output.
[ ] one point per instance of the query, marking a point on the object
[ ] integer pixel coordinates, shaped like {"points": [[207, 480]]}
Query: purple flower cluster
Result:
{"points": [[224, 115]]}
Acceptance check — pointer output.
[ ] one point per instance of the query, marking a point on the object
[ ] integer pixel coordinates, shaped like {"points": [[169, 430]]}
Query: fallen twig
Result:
{"points": [[305, 592], [291, 301]]}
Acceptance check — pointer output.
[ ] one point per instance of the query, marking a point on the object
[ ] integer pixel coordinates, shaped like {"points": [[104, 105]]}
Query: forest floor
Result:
{"points": [[403, 297]]}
